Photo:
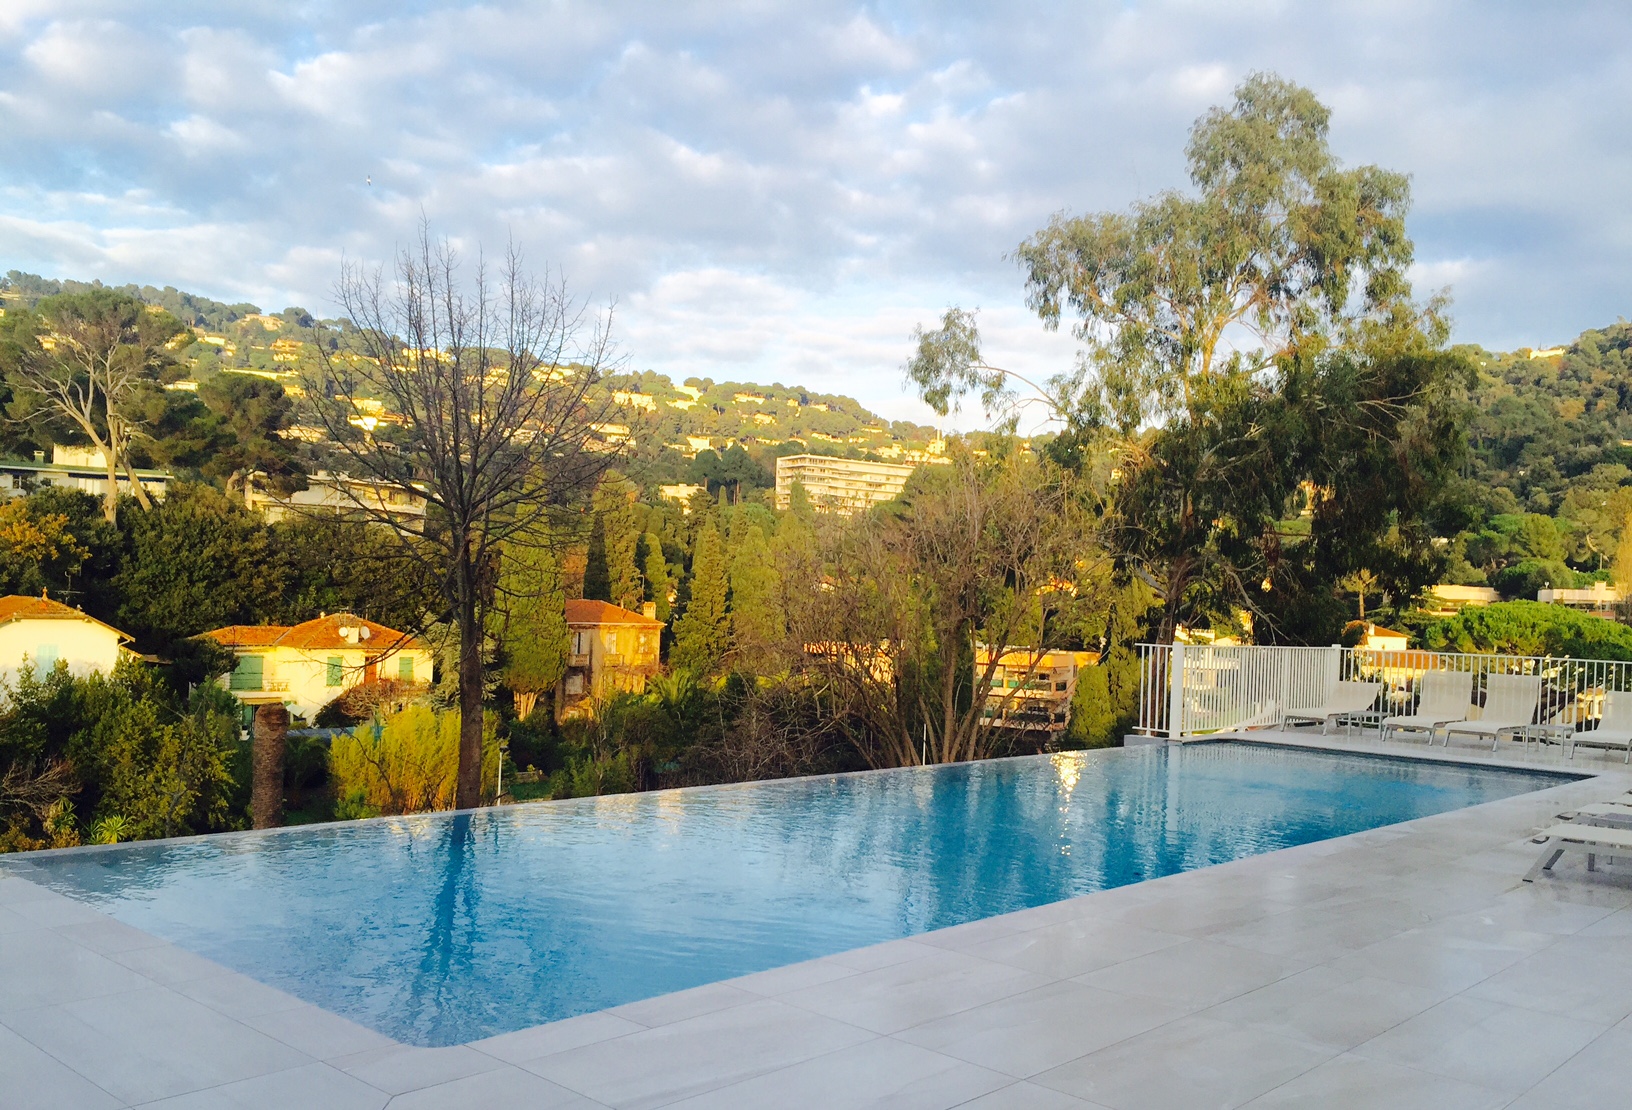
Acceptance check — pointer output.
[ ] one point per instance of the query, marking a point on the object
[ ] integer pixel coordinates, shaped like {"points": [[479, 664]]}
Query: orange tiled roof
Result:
{"points": [[17, 607], [322, 634], [584, 611]]}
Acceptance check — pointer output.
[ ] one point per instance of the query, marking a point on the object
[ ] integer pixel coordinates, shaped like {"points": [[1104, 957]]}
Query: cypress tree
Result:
{"points": [[657, 575], [756, 614], [597, 575], [702, 632]]}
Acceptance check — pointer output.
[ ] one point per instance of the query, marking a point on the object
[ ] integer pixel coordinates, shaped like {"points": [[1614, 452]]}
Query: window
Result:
{"points": [[45, 657], [337, 670], [405, 668], [247, 675]]}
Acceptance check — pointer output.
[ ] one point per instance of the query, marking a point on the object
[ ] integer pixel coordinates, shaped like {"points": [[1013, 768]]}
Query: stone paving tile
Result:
{"points": [[668, 1008], [399, 1068], [506, 1089], [165, 963], [1597, 1077], [1042, 1028], [108, 937], [1587, 978], [1073, 947], [32, 1078], [1326, 1007], [1190, 1063], [662, 1065], [318, 1033], [880, 1073], [1352, 1081], [1028, 1096], [150, 1044], [1500, 1047], [557, 1036], [40, 968], [1195, 974], [313, 1087], [889, 999], [782, 980], [237, 996]]}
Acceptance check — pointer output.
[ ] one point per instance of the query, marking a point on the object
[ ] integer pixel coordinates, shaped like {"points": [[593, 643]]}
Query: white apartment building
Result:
{"points": [[839, 485]]}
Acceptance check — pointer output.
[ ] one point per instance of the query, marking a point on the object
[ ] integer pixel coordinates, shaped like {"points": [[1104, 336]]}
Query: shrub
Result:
{"points": [[406, 763]]}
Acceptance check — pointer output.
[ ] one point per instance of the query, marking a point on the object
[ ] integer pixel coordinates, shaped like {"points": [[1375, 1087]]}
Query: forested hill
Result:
{"points": [[1549, 481], [672, 422]]}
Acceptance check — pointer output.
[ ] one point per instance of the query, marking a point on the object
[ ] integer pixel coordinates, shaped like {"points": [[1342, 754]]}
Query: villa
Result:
{"points": [[611, 650], [40, 632], [308, 665]]}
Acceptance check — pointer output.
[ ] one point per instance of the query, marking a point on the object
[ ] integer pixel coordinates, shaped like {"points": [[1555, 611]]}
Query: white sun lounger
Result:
{"points": [[1510, 706], [1348, 699], [1446, 696], [1594, 840], [1614, 731]]}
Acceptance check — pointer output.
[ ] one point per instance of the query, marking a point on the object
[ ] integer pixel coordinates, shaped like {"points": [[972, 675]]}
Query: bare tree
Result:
{"points": [[480, 398], [87, 358]]}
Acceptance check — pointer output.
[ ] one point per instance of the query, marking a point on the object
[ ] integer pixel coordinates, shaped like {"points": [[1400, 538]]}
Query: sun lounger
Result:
{"points": [[1595, 841], [1349, 699], [1600, 813], [1445, 696], [1510, 706], [1614, 731]]}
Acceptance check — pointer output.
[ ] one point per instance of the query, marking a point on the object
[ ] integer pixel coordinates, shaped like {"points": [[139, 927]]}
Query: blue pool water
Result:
{"points": [[441, 929]]}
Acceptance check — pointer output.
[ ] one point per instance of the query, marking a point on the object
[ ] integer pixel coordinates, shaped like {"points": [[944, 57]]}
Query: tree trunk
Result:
{"points": [[470, 707], [266, 794], [110, 500]]}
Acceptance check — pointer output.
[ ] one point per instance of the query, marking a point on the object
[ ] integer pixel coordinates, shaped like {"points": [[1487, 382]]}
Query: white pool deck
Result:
{"points": [[1403, 967]]}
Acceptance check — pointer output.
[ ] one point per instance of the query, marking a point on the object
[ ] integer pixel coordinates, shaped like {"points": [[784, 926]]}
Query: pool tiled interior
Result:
{"points": [[1398, 967]]}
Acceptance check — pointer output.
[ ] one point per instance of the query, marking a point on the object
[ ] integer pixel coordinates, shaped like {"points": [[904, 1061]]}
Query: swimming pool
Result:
{"points": [[440, 929]]}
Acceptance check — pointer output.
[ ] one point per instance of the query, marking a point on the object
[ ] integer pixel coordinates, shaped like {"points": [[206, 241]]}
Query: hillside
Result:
{"points": [[666, 424]]}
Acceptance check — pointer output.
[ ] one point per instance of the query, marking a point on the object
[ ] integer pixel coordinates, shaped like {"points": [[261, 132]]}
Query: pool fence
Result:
{"points": [[1195, 689]]}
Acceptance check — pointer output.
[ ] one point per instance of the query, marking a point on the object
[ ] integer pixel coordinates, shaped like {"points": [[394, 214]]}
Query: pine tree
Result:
{"points": [[756, 613], [702, 632], [597, 576]]}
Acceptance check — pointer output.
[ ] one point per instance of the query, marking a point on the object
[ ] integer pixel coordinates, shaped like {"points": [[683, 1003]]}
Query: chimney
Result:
{"points": [[649, 610]]}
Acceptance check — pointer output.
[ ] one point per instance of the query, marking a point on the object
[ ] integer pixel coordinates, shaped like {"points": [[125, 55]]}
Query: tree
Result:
{"points": [[757, 628], [80, 361], [657, 574], [1232, 339], [533, 632], [619, 517], [37, 549], [702, 634], [597, 574], [491, 389]]}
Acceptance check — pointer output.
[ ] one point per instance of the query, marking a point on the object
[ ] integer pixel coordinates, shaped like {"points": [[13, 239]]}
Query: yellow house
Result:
{"points": [[610, 650], [40, 632], [306, 666]]}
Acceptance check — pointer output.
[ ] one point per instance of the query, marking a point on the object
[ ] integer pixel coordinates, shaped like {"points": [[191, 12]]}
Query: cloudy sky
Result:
{"points": [[778, 191]]}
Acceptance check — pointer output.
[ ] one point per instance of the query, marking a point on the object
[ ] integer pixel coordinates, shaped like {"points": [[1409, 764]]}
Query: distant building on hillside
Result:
{"points": [[1445, 600], [1376, 638], [80, 468], [40, 632], [1600, 600], [1032, 690], [308, 665], [839, 485], [609, 650], [326, 492], [681, 493]]}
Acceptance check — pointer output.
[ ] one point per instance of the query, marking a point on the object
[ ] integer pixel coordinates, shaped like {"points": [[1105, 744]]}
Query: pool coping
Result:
{"points": [[852, 1029]]}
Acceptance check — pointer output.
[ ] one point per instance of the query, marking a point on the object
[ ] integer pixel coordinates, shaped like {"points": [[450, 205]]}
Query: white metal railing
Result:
{"points": [[1185, 689]]}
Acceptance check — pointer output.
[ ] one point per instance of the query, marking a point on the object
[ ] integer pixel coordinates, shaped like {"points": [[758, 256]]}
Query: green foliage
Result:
{"points": [[197, 561], [533, 627], [756, 614], [657, 574], [407, 763], [597, 574], [702, 634], [1530, 628]]}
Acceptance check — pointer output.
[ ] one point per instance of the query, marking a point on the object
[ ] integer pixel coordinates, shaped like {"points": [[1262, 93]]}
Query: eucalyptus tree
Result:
{"points": [[1234, 338], [478, 397]]}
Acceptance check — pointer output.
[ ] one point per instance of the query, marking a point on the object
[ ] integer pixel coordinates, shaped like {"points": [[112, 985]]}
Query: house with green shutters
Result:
{"points": [[306, 666]]}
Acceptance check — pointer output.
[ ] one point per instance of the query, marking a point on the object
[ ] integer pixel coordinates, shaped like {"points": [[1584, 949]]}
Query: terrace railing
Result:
{"points": [[1189, 689]]}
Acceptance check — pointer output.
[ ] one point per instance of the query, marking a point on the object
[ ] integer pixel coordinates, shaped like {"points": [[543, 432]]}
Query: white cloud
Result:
{"points": [[782, 190]]}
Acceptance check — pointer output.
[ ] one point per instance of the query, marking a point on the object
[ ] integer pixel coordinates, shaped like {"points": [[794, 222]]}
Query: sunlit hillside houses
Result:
{"points": [[39, 632]]}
